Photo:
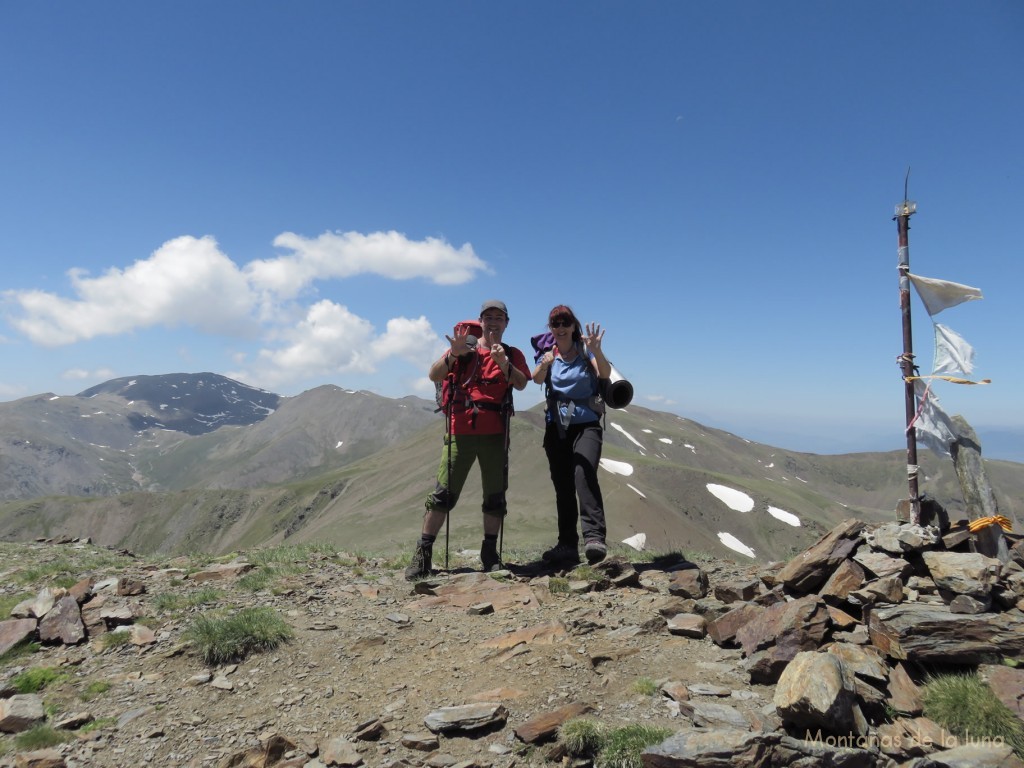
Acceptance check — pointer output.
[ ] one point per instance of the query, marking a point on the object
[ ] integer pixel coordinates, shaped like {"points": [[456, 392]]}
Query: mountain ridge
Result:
{"points": [[354, 467]]}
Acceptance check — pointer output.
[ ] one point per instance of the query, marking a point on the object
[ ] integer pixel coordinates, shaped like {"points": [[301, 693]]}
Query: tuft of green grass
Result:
{"points": [[623, 746], [97, 724], [219, 640], [40, 737], [37, 678], [587, 572], [93, 690], [111, 640], [167, 602], [967, 707], [20, 651], [609, 748], [7, 602], [258, 579], [558, 585], [44, 571], [204, 596], [581, 737], [645, 686], [290, 553]]}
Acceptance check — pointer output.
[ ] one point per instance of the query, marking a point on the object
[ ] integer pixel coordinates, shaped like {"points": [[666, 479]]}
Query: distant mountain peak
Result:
{"points": [[194, 403]]}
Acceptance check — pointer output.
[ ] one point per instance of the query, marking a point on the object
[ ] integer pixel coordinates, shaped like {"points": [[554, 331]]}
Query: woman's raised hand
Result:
{"points": [[593, 337]]}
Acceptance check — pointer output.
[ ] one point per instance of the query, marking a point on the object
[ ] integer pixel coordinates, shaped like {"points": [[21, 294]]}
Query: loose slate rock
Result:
{"points": [[466, 717], [712, 749], [544, 726]]}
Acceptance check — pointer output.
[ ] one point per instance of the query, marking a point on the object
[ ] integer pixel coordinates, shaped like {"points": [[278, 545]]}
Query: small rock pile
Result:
{"points": [[846, 631]]}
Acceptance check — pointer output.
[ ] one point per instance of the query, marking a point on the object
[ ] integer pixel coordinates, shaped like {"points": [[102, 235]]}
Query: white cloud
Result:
{"points": [[187, 281], [80, 374], [660, 399], [345, 254], [413, 340], [330, 339]]}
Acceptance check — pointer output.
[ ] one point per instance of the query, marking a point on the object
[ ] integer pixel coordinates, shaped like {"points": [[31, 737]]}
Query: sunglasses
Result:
{"points": [[562, 324]]}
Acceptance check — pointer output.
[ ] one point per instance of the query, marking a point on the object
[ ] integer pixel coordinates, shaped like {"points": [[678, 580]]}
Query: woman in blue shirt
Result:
{"points": [[573, 434]]}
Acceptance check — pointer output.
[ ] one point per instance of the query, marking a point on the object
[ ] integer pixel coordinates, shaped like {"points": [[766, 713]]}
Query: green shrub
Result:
{"points": [[967, 707], [35, 679], [220, 640]]}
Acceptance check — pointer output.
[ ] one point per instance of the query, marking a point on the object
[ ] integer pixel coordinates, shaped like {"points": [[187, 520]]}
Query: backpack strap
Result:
{"points": [[552, 401]]}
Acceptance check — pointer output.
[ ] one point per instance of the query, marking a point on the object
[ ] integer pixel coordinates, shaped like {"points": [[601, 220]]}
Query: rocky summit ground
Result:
{"points": [[461, 669], [367, 646]]}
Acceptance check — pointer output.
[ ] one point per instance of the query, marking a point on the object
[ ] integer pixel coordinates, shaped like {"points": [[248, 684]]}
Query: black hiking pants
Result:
{"points": [[573, 463]]}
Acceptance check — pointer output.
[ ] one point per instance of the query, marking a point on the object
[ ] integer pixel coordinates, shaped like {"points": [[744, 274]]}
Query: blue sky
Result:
{"points": [[295, 194]]}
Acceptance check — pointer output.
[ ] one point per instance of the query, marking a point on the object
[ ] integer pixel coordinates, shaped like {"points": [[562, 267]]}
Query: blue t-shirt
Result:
{"points": [[572, 385]]}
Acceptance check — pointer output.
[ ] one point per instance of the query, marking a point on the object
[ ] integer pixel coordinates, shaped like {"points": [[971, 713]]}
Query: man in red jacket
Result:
{"points": [[482, 376]]}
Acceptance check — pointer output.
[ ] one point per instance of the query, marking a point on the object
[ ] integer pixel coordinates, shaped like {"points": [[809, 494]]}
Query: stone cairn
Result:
{"points": [[847, 632]]}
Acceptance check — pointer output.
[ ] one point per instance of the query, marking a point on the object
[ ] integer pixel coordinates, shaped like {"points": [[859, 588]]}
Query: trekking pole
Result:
{"points": [[508, 426], [448, 475]]}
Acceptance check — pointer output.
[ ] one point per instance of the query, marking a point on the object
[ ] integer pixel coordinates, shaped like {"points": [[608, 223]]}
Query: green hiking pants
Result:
{"points": [[489, 450]]}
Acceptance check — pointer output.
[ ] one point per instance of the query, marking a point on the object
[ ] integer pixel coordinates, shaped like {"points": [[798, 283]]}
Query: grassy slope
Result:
{"points": [[376, 503]]}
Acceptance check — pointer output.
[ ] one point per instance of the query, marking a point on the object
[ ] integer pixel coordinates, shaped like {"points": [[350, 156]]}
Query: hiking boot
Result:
{"points": [[419, 568], [489, 557], [561, 553], [595, 551]]}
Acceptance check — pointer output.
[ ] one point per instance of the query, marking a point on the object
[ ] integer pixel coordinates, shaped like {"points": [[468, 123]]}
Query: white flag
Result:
{"points": [[938, 295], [934, 429], [952, 353]]}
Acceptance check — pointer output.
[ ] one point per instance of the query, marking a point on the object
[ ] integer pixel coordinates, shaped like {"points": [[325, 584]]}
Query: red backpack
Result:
{"points": [[447, 391], [451, 391]]}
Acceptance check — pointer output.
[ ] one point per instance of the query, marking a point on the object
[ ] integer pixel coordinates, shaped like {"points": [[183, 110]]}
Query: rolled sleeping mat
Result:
{"points": [[617, 392]]}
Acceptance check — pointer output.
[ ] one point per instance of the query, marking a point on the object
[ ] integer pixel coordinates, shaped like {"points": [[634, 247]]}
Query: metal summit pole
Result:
{"points": [[904, 211]]}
